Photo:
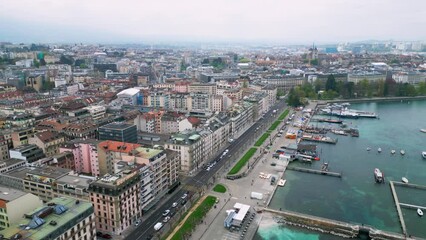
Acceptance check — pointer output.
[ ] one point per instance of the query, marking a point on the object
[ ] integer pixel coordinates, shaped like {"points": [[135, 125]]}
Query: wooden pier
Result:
{"points": [[398, 208], [308, 170]]}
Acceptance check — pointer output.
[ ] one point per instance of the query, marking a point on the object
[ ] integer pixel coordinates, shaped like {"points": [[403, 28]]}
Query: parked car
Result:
{"points": [[166, 219], [137, 222], [184, 196], [165, 213], [174, 204]]}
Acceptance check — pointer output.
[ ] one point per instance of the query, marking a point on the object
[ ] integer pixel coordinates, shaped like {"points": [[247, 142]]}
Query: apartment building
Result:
{"points": [[110, 152], [209, 88], [241, 118], [14, 203], [118, 132], [189, 146], [97, 112], [20, 136], [116, 201], [61, 218], [48, 141], [28, 152], [85, 154]]}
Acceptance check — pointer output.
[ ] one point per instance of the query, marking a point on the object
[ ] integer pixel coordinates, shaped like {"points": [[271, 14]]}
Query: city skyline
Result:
{"points": [[270, 21]]}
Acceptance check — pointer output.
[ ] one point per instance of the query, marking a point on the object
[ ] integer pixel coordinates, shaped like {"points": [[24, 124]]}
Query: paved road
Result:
{"points": [[146, 228]]}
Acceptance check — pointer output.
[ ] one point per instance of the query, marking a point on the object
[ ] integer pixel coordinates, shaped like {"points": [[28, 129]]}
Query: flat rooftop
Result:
{"points": [[46, 171], [71, 215], [117, 126], [10, 194]]}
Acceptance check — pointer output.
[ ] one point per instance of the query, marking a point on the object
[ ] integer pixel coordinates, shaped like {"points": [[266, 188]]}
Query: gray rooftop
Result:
{"points": [[10, 194]]}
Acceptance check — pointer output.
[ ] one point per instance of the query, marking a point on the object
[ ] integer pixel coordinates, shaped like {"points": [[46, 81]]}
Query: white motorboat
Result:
{"points": [[419, 212], [424, 154], [423, 130], [402, 152], [379, 176], [379, 150], [281, 182], [393, 151], [368, 149], [404, 180]]}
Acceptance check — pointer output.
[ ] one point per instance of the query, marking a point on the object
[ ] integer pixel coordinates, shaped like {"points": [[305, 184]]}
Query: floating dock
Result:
{"points": [[308, 170], [322, 139]]}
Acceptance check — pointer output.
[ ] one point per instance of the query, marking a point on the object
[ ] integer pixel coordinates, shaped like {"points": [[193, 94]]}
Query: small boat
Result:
{"points": [[424, 154], [393, 151], [419, 212], [423, 130], [402, 152], [368, 149], [379, 176], [282, 182], [404, 180], [379, 150]]}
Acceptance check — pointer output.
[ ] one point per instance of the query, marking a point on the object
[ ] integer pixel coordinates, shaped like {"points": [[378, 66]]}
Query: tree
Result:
{"points": [[280, 93], [36, 63], [293, 98], [66, 60], [331, 83]]}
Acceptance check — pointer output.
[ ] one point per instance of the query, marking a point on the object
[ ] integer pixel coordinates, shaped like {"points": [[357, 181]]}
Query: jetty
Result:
{"points": [[398, 208], [308, 170], [411, 206], [337, 228]]}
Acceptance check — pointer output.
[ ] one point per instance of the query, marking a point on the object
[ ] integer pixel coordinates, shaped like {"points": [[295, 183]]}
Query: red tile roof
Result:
{"points": [[118, 146]]}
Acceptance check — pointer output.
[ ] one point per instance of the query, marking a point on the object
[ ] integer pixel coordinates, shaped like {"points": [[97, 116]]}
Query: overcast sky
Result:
{"points": [[286, 21]]}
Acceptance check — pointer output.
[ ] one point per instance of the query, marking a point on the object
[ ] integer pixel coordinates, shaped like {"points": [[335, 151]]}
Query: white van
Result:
{"points": [[158, 226]]}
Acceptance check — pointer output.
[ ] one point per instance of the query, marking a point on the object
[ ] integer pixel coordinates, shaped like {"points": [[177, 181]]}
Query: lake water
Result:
{"points": [[356, 197]]}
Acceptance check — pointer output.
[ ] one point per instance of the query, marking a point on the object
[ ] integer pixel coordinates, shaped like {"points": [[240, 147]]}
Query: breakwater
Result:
{"points": [[337, 228]]}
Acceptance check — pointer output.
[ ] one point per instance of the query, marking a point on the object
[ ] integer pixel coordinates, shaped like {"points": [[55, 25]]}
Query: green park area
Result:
{"points": [[194, 218], [242, 162]]}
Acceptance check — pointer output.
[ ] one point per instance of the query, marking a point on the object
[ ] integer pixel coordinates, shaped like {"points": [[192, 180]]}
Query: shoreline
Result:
{"points": [[376, 99]]}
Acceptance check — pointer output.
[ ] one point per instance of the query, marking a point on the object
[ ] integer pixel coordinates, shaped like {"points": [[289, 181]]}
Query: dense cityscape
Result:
{"points": [[110, 132]]}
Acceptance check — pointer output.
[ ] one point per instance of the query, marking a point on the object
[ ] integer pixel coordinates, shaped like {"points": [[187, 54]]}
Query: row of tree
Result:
{"points": [[332, 89]]}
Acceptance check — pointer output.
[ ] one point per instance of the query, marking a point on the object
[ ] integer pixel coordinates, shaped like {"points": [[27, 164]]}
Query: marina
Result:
{"points": [[319, 138], [375, 135]]}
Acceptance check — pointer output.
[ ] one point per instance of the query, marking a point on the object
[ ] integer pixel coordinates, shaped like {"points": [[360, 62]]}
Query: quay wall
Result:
{"points": [[329, 226]]}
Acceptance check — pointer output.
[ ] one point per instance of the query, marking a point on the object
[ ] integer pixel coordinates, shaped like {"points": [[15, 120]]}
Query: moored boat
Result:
{"points": [[379, 176], [402, 152], [404, 180], [424, 154], [423, 130], [419, 212], [282, 182], [393, 151], [379, 150], [368, 149]]}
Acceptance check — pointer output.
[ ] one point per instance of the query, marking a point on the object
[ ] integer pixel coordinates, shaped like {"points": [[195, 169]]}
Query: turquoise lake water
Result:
{"points": [[356, 197]]}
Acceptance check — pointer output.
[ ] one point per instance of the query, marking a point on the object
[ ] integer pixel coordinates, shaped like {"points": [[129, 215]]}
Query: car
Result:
{"points": [[183, 202], [165, 213], [137, 222], [184, 196], [99, 234], [166, 219], [208, 169], [106, 236], [174, 204]]}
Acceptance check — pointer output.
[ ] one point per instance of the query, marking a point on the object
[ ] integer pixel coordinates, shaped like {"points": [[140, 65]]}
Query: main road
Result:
{"points": [[146, 229]]}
